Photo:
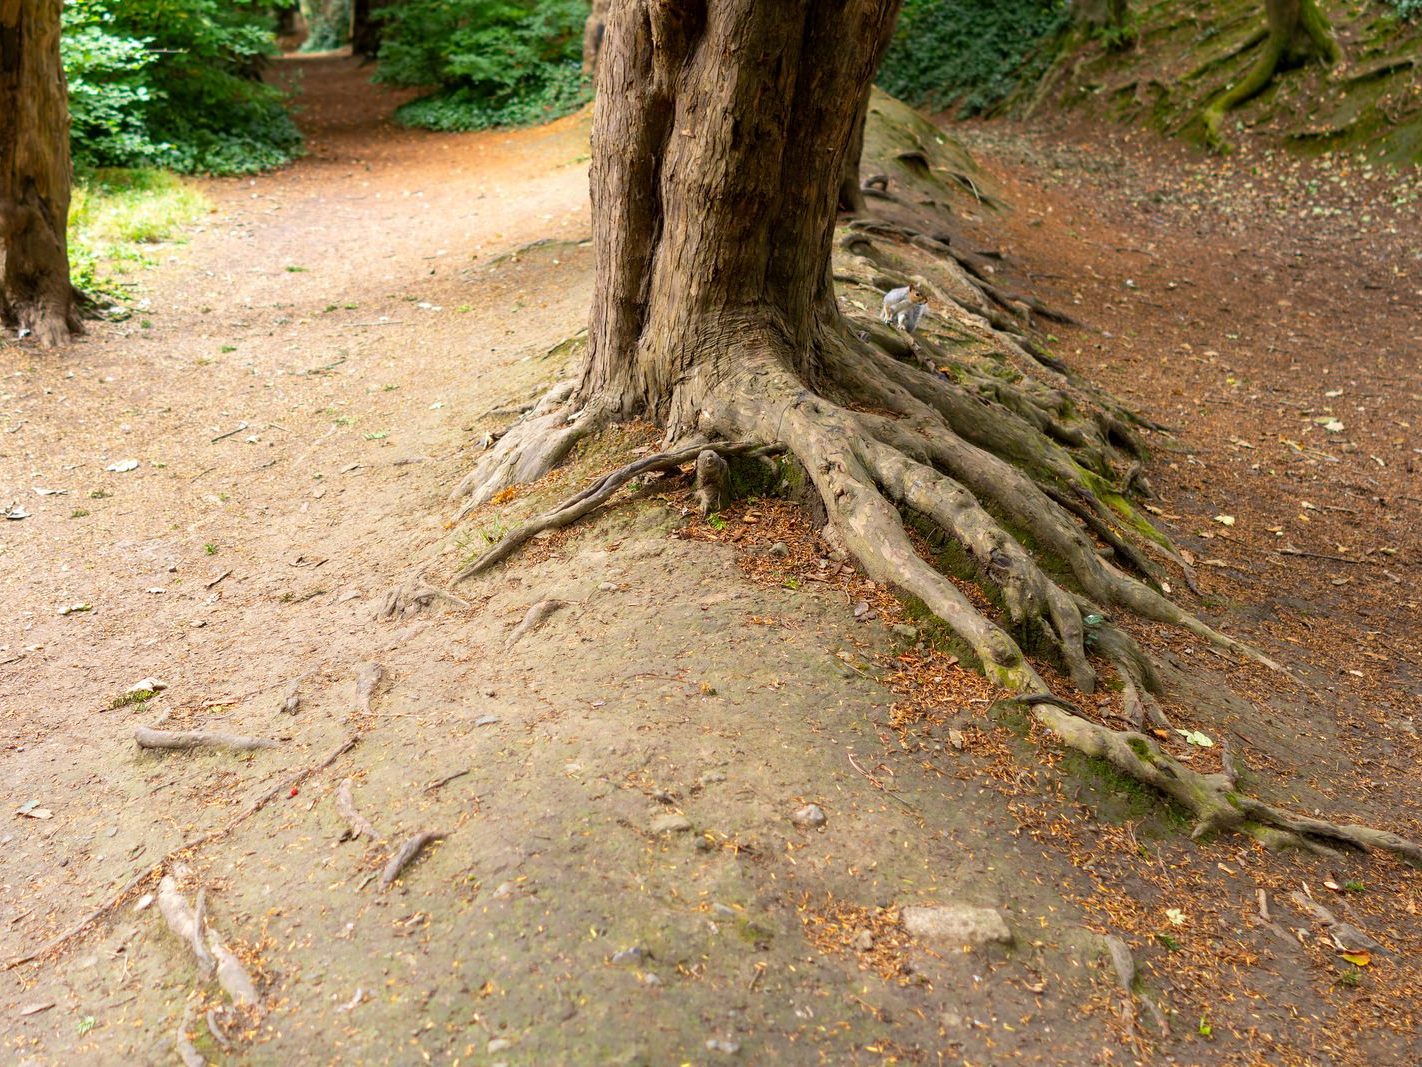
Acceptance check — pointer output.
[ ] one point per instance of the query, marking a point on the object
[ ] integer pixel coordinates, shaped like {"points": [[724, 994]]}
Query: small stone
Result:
{"points": [[724, 911], [730, 1048], [960, 924], [111, 831], [650, 978], [607, 587], [143, 902], [499, 1044], [863, 941], [810, 817], [486, 720], [712, 776], [148, 685], [955, 738], [635, 954], [779, 550], [673, 823], [504, 891]]}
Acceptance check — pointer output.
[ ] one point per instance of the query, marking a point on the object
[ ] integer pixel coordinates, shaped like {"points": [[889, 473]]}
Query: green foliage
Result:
{"points": [[1407, 9], [173, 83], [969, 54], [493, 62]]}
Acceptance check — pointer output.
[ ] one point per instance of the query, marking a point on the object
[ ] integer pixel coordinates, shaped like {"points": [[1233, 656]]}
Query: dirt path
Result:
{"points": [[621, 881]]}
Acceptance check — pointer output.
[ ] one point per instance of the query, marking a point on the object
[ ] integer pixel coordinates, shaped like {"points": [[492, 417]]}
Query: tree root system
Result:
{"points": [[359, 825], [178, 740]]}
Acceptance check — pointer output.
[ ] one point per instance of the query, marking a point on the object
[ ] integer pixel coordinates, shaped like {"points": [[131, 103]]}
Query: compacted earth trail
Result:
{"points": [[670, 791]]}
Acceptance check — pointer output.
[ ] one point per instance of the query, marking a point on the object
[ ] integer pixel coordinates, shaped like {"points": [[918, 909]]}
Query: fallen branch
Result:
{"points": [[283, 786], [407, 852], [359, 824], [597, 494], [178, 740], [445, 780]]}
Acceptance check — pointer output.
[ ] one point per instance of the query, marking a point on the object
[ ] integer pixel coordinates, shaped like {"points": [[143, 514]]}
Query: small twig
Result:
{"points": [[1322, 555], [345, 804], [230, 433], [446, 780], [1263, 899], [224, 574], [407, 852], [173, 740]]}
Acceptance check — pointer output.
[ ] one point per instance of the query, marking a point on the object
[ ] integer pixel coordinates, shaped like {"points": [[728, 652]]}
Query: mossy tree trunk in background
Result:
{"points": [[1298, 33], [36, 295]]}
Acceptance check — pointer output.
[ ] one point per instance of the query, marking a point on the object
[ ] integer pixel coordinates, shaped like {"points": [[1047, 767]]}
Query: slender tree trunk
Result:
{"points": [[719, 144], [35, 292], [593, 30], [365, 27], [1299, 32], [851, 193]]}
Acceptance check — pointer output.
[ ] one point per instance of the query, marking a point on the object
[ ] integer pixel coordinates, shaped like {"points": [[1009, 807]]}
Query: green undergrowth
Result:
{"points": [[969, 55], [175, 84], [118, 216], [487, 63]]}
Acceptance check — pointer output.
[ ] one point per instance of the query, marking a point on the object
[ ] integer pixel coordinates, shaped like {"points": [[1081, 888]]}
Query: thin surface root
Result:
{"points": [[359, 825], [406, 854]]}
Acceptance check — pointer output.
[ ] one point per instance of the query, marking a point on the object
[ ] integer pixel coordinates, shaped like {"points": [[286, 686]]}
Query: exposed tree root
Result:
{"points": [[593, 497], [282, 786], [178, 740], [533, 618], [367, 681], [406, 854], [188, 925], [359, 825], [413, 596]]}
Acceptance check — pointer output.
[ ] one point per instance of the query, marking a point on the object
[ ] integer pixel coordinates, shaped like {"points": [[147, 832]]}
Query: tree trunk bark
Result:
{"points": [[719, 144], [593, 30], [35, 292]]}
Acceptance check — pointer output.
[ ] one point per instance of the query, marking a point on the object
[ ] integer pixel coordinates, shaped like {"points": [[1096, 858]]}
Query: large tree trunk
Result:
{"points": [[720, 140], [35, 292]]}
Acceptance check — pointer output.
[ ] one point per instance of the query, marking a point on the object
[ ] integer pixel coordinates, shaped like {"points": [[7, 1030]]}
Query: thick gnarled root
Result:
{"points": [[532, 447]]}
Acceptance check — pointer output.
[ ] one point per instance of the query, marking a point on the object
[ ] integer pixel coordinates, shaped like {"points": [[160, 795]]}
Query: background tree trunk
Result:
{"points": [[1298, 33], [365, 27], [593, 31], [1099, 14], [719, 144], [851, 193], [35, 291]]}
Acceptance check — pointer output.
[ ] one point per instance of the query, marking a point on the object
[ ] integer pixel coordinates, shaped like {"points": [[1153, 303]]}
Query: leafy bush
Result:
{"points": [[173, 83], [970, 54], [1407, 9], [329, 23], [493, 62]]}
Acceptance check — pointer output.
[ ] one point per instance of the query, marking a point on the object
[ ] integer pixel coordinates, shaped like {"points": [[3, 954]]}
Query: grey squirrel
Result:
{"points": [[903, 307]]}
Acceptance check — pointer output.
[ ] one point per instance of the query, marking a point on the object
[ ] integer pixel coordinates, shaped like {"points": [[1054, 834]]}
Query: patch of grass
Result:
{"points": [[115, 215], [136, 699]]}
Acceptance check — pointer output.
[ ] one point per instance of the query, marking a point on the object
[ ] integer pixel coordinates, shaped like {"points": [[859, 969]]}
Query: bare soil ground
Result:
{"points": [[620, 879]]}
